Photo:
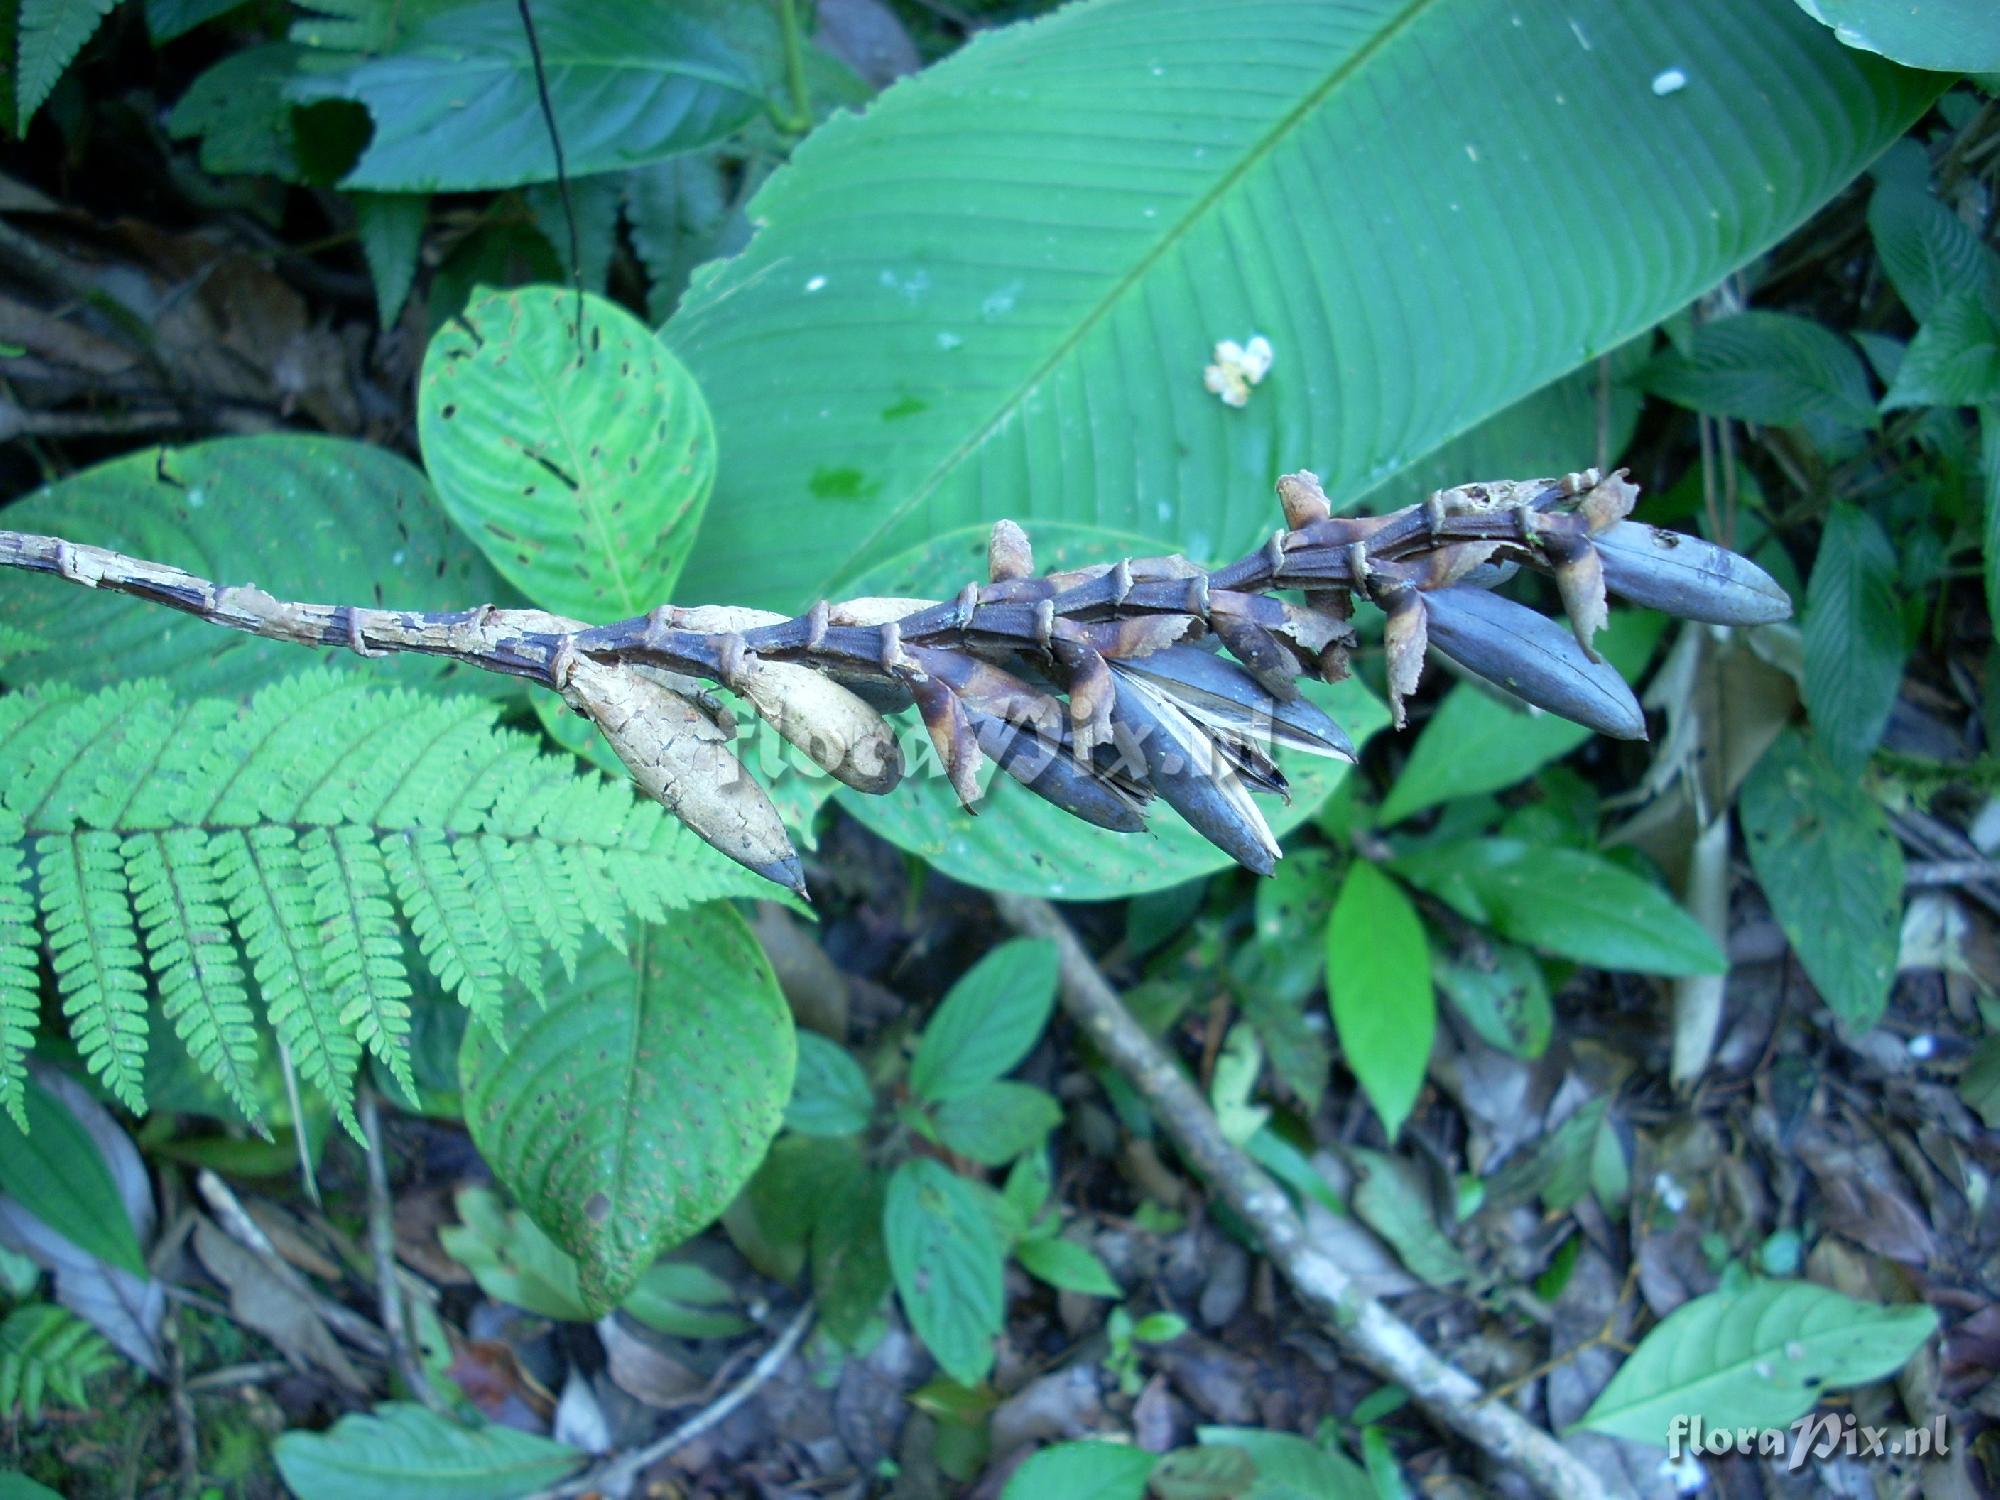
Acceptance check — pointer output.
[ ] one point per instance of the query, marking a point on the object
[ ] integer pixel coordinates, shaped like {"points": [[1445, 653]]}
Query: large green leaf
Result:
{"points": [[578, 461], [310, 518], [400, 1451], [947, 1258], [626, 1114], [1832, 870], [1018, 842], [1758, 1355], [456, 107], [1768, 367], [1378, 984], [1955, 358], [1954, 36], [996, 292], [1565, 901], [1094, 1470]]}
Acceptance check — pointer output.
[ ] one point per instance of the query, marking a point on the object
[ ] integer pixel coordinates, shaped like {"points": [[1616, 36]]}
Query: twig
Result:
{"points": [[617, 1474], [382, 1242], [1952, 872], [239, 1226], [1373, 1334], [187, 1444]]}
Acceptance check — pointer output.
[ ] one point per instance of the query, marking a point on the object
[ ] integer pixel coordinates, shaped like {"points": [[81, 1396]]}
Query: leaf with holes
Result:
{"points": [[947, 1259], [1759, 1354], [1003, 282], [627, 1114], [312, 518], [578, 460]]}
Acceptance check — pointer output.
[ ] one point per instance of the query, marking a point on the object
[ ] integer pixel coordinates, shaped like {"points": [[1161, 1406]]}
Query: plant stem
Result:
{"points": [[795, 68], [1372, 1333]]}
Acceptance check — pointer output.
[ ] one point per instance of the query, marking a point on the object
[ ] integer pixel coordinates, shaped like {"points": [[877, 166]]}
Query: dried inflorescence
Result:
{"points": [[1101, 688], [1097, 688]]}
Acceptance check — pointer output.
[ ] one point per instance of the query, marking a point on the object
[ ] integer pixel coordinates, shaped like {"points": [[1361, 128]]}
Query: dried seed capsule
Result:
{"points": [[1406, 636], [1303, 499], [952, 735], [1689, 577], [1048, 769], [1008, 553], [683, 761], [1221, 695], [1580, 581], [843, 735], [1533, 657], [1195, 778], [1275, 668]]}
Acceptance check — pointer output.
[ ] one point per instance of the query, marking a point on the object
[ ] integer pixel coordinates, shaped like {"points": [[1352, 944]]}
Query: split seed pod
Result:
{"points": [[1407, 636], [1532, 657], [1223, 697], [1191, 773], [682, 760]]}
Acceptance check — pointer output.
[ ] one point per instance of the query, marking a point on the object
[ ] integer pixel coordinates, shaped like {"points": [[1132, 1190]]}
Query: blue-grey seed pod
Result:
{"points": [[1686, 576], [1532, 657]]}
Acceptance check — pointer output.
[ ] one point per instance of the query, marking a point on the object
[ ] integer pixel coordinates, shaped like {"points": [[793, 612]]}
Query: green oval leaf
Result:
{"points": [[1854, 641], [947, 1260], [1378, 983], [1759, 1355], [1082, 1471], [400, 1451], [1564, 901], [1067, 1265], [1832, 870], [997, 1121], [1768, 367], [456, 106], [1001, 285], [580, 468], [830, 1094], [1953, 36], [1018, 842], [310, 518], [988, 1021], [627, 1114]]}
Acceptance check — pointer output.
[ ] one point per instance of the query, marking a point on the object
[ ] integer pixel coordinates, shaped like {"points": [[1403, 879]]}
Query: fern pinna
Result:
{"points": [[210, 853]]}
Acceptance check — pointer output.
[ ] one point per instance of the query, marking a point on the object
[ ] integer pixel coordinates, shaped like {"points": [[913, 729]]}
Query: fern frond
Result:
{"points": [[180, 910], [263, 878], [283, 847], [363, 952], [444, 914], [95, 950], [46, 1349], [20, 999]]}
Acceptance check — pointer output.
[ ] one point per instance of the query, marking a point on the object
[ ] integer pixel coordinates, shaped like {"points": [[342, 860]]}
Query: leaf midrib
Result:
{"points": [[1176, 233]]}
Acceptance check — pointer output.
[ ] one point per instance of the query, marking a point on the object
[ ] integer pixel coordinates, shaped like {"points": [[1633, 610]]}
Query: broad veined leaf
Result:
{"points": [[1757, 1355], [456, 108], [627, 1114], [578, 459], [1068, 1265], [997, 1121], [1768, 367], [1478, 741], [1378, 983], [401, 1451], [1502, 993], [1018, 842], [1082, 1471], [1955, 358], [55, 1171], [1392, 1199], [310, 518], [1214, 1471], [15, 1486], [1564, 901], [1854, 642], [1290, 1467], [1000, 287], [1928, 251], [1953, 36], [988, 1022], [1832, 870], [946, 1255], [830, 1094]]}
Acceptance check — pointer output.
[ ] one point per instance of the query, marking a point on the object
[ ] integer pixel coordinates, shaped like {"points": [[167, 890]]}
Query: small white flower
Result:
{"points": [[1671, 1194], [1669, 81], [1237, 367], [1923, 1046]]}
